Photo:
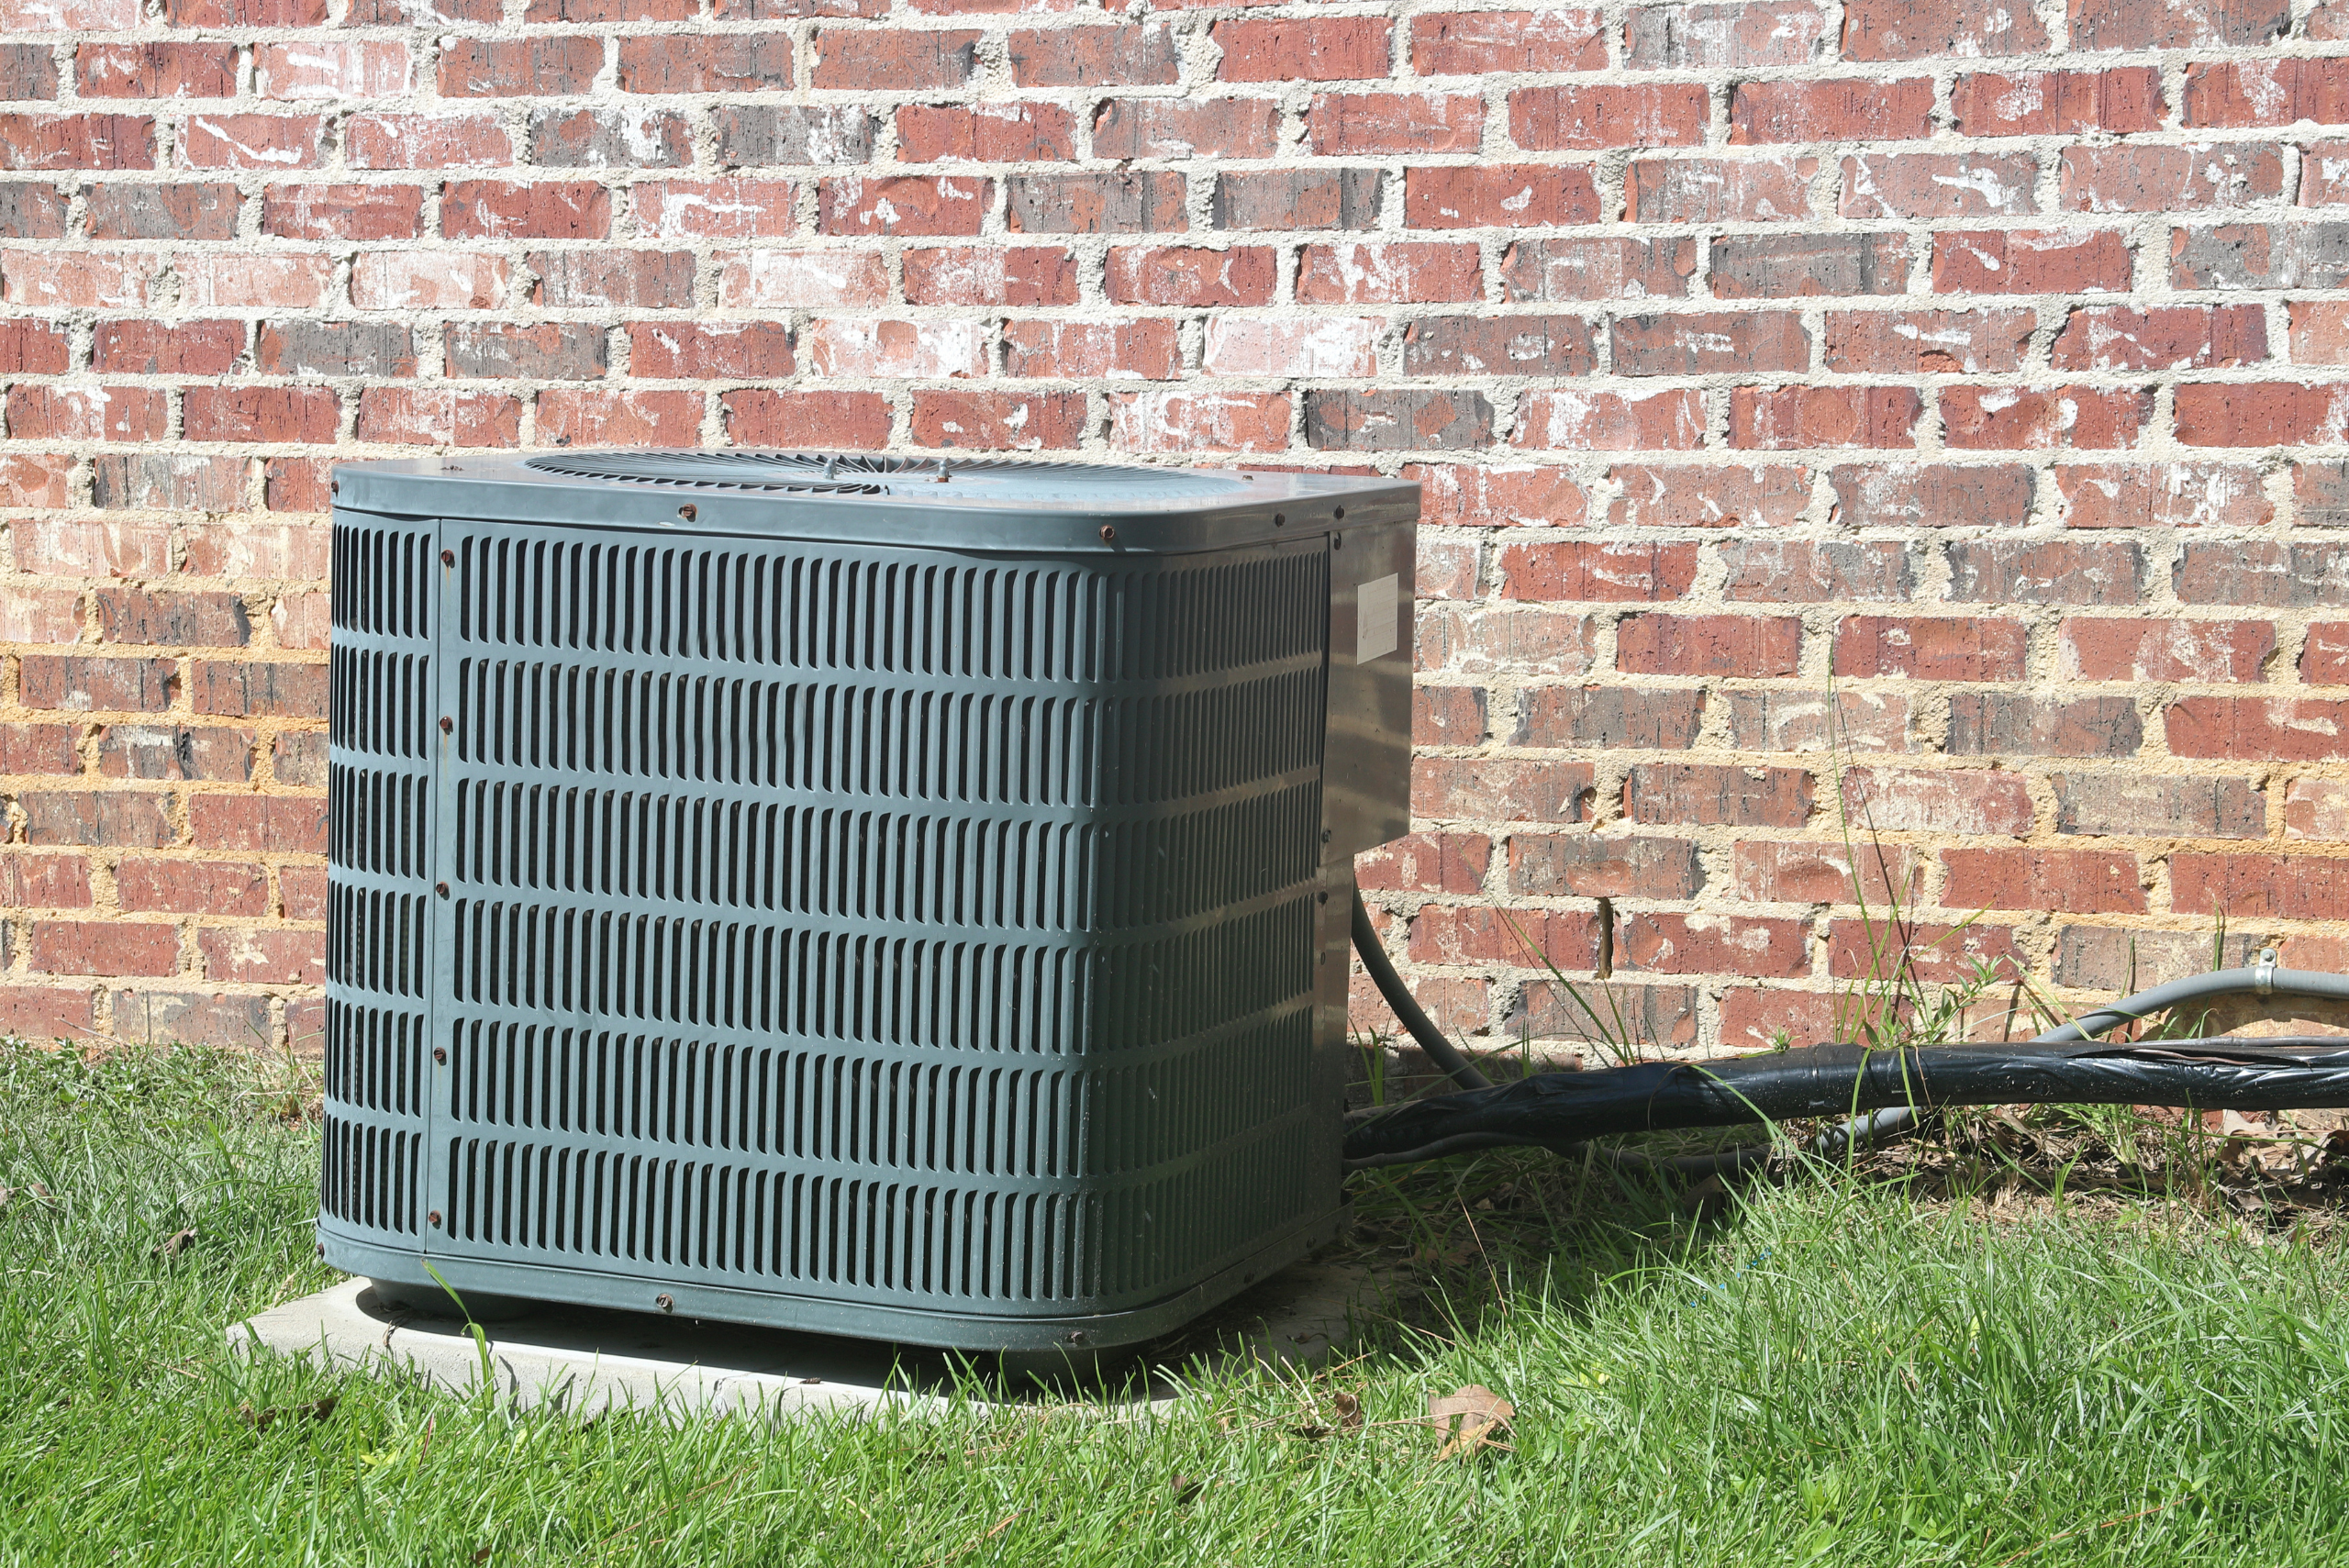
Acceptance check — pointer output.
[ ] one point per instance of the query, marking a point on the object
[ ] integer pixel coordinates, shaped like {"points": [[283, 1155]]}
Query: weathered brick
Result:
{"points": [[337, 71], [1114, 203], [565, 350], [1321, 345], [1499, 789], [46, 413], [1182, 421], [95, 818], [439, 416], [76, 141], [623, 136], [2282, 729], [673, 351], [1497, 496], [2269, 92], [1918, 496], [1482, 639], [1448, 716], [1712, 35], [103, 947], [2176, 24], [1588, 866], [595, 417], [709, 62], [1192, 127], [2020, 261], [342, 212], [1789, 266], [169, 482], [759, 135], [34, 211], [540, 209], [1403, 272], [1523, 938], [867, 346], [167, 752], [1808, 571], [1308, 48], [1399, 420], [1505, 195], [2159, 806], [1939, 184], [1338, 125], [2073, 418], [2163, 337], [2262, 414], [651, 280], [1129, 56], [260, 413], [1929, 951], [2198, 651], [1774, 870], [2161, 496], [1189, 275], [1609, 717], [1018, 421], [1830, 111], [954, 274], [1979, 801], [1780, 419], [987, 133], [1572, 418], [850, 421], [1700, 795], [1754, 189], [1712, 646], [2262, 571], [2057, 102], [1929, 649], [265, 955], [2022, 724], [2043, 572], [191, 887], [1752, 342], [1487, 43], [1708, 497], [2303, 255], [155, 619], [1426, 862], [27, 71], [2128, 178], [297, 346], [1535, 270], [77, 683], [905, 205], [1590, 117]]}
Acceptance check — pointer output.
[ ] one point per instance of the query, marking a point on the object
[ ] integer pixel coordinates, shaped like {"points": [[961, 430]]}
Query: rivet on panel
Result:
{"points": [[1339, 514], [1279, 518], [432, 1218], [1108, 532], [448, 557], [441, 1053], [447, 724], [686, 511], [441, 888], [665, 1302]]}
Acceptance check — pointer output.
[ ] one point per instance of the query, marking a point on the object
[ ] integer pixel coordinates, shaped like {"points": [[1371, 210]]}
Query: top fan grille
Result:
{"points": [[994, 480]]}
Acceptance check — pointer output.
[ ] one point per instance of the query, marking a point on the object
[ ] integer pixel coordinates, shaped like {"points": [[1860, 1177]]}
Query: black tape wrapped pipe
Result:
{"points": [[1553, 1109]]}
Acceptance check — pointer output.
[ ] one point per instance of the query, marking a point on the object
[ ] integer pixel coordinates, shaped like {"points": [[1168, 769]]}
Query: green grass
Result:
{"points": [[1838, 1370]]}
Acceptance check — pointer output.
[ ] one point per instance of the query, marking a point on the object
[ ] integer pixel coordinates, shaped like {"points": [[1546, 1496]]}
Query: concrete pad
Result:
{"points": [[587, 1360]]}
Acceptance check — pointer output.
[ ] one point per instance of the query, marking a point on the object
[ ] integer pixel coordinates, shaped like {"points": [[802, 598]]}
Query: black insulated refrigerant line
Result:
{"points": [[1561, 1110]]}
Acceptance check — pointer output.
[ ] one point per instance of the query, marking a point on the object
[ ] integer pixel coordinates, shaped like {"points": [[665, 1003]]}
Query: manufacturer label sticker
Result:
{"points": [[1378, 614]]}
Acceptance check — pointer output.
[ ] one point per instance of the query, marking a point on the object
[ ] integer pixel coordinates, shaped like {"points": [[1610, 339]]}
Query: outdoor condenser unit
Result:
{"points": [[884, 896]]}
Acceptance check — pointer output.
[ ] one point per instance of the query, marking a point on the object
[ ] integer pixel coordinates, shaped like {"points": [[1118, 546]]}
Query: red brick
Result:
{"points": [[153, 619], [2164, 338], [1402, 272], [1776, 1018], [2079, 881], [156, 70], [2324, 659], [299, 620], [258, 690], [76, 141], [993, 133], [848, 420], [1708, 497], [274, 824], [1922, 950], [1448, 716], [1118, 201], [997, 421], [86, 281], [2268, 92], [2057, 102], [1786, 572], [335, 72], [39, 749], [1791, 266], [2245, 886], [1780, 419], [526, 67], [1606, 572], [1145, 348], [1333, 346], [1133, 56], [2043, 571], [545, 209], [892, 60], [41, 1013], [260, 413], [1603, 717], [1491, 43], [2162, 495], [1589, 118], [60, 548], [246, 13], [2179, 24], [1187, 275], [192, 887], [2320, 332], [265, 955], [1421, 862], [1498, 196], [1185, 127], [427, 280], [2324, 169], [1498, 790], [1019, 275], [1928, 342], [36, 348], [1599, 268], [2027, 260], [2262, 414], [1939, 184], [41, 615], [2016, 419], [1347, 124], [432, 141], [2126, 178], [1525, 938], [1181, 420], [1935, 648], [302, 890], [578, 416], [1909, 29], [1485, 639], [1766, 189], [708, 62], [28, 73], [1709, 646], [342, 212], [2272, 728], [906, 204], [552, 350], [1497, 496], [1459, 1006], [1697, 795], [868, 346], [42, 413], [36, 479], [1778, 872], [1715, 944], [102, 947], [166, 482], [1318, 48], [273, 143], [1830, 111], [684, 350], [1570, 418], [782, 279], [45, 881], [439, 416], [107, 818], [1959, 801], [1708, 35], [1587, 865]]}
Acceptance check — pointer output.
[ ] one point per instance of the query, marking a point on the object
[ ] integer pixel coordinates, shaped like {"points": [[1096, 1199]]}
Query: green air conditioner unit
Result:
{"points": [[849, 892]]}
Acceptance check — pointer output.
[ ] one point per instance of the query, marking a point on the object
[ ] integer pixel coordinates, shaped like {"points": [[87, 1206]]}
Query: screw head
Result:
{"points": [[441, 888], [665, 1302], [1338, 514], [441, 1053], [433, 1219], [686, 511], [448, 557], [447, 724], [1108, 532], [1280, 519]]}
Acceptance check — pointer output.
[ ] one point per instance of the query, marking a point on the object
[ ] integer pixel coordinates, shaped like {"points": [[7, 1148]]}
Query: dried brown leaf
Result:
{"points": [[1349, 1409], [1472, 1415], [171, 1246]]}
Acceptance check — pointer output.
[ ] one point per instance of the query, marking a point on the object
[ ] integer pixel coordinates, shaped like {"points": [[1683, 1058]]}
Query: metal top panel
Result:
{"points": [[883, 499]]}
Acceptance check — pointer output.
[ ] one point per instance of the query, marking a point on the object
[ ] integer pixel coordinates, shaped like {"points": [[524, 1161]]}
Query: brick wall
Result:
{"points": [[1972, 366]]}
